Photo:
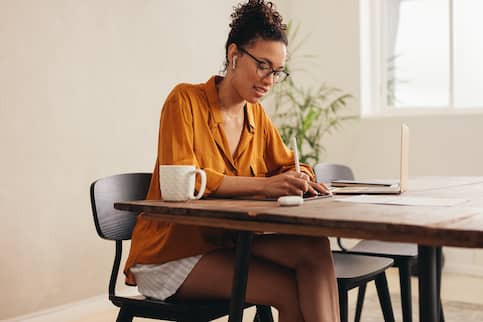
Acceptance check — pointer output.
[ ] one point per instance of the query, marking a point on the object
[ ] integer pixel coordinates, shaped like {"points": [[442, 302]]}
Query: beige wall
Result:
{"points": [[82, 84]]}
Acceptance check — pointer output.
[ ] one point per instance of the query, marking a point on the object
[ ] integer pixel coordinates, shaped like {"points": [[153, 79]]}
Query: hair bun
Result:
{"points": [[253, 20]]}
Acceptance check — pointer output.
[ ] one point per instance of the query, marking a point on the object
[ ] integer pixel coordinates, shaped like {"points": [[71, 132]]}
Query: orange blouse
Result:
{"points": [[191, 133]]}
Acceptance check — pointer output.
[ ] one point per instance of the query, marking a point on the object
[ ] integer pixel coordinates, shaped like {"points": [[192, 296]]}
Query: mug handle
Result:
{"points": [[202, 186]]}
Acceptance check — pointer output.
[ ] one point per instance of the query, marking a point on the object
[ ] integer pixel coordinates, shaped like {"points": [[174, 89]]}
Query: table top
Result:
{"points": [[458, 225]]}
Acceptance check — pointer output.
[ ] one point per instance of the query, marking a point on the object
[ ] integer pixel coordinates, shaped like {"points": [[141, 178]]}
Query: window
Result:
{"points": [[422, 55]]}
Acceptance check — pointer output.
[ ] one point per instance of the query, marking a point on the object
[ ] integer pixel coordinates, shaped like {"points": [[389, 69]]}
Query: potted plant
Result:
{"points": [[306, 113]]}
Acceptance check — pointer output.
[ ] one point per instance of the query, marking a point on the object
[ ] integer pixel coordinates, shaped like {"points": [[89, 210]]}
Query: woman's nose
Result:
{"points": [[268, 80]]}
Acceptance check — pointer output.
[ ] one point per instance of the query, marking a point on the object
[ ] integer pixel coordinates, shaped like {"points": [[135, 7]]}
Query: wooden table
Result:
{"points": [[428, 226]]}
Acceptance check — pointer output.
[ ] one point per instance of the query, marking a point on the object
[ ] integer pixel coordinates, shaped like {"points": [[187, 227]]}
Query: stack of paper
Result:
{"points": [[403, 200]]}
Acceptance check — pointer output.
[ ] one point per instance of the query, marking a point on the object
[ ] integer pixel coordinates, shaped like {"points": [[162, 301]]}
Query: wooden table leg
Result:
{"points": [[428, 305], [240, 276]]}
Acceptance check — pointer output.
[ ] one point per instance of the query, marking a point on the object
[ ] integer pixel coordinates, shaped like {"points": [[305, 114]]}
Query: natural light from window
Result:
{"points": [[468, 53], [428, 68]]}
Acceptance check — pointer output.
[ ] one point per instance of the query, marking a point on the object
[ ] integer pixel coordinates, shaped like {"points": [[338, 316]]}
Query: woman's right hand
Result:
{"points": [[289, 183]]}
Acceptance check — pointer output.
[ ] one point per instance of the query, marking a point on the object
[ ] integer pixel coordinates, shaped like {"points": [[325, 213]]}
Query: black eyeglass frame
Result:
{"points": [[278, 75]]}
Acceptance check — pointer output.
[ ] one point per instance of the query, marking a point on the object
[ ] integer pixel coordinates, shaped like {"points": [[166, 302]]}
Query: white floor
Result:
{"points": [[456, 287]]}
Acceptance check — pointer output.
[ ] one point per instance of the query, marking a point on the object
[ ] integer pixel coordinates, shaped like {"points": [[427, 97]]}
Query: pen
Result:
{"points": [[296, 154]]}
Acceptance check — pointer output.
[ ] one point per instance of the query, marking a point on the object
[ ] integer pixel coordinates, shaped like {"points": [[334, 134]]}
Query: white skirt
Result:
{"points": [[161, 281]]}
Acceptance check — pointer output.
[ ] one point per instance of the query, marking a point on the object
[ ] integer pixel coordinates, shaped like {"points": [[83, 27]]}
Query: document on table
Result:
{"points": [[403, 200]]}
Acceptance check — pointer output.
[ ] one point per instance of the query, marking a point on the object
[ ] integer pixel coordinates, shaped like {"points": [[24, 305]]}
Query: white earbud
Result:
{"points": [[234, 62]]}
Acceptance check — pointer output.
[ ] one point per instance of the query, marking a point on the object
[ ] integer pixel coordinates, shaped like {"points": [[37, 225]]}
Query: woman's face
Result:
{"points": [[253, 77]]}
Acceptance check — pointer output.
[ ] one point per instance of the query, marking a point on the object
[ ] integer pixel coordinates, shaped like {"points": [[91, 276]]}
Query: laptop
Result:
{"points": [[371, 186]]}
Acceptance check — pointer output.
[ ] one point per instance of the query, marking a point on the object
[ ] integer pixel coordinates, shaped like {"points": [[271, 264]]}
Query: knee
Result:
{"points": [[322, 245], [315, 247], [315, 251]]}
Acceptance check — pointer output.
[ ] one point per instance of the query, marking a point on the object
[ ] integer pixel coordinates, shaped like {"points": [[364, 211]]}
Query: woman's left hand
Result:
{"points": [[316, 188]]}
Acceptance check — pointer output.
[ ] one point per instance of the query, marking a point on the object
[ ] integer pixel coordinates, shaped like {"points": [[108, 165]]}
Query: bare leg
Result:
{"points": [[268, 283], [294, 274], [311, 258]]}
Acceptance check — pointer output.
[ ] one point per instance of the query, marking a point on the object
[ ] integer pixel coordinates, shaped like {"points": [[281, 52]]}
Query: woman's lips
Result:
{"points": [[261, 91]]}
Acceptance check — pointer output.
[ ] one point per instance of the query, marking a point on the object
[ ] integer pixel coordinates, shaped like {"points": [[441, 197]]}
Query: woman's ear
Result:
{"points": [[232, 55]]}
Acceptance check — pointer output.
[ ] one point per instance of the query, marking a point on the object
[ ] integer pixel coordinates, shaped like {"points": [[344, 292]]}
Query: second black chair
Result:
{"points": [[404, 255], [355, 271]]}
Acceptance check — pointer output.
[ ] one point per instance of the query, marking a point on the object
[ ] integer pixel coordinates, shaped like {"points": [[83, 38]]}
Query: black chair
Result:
{"points": [[404, 255], [115, 225], [356, 271]]}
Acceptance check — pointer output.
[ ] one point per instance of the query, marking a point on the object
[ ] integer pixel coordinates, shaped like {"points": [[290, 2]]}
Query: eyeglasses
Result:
{"points": [[264, 69]]}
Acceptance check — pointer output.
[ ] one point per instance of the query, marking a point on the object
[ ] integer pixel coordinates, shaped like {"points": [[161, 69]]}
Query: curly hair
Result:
{"points": [[253, 20]]}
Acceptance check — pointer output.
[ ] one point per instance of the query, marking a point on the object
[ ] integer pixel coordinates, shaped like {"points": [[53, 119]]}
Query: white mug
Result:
{"points": [[177, 182]]}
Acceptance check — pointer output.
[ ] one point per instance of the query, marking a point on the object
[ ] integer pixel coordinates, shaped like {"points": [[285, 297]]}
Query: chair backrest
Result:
{"points": [[326, 172], [110, 223]]}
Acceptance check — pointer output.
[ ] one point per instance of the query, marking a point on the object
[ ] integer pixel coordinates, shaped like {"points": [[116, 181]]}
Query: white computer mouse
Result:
{"points": [[290, 201]]}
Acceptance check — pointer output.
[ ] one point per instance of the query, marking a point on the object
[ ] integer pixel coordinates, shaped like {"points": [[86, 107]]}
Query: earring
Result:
{"points": [[234, 62]]}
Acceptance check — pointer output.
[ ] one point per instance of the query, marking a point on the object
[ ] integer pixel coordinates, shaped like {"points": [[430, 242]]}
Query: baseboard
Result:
{"points": [[67, 311], [473, 270], [78, 309]]}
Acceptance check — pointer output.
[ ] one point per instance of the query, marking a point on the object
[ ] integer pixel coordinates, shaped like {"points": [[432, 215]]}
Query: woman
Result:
{"points": [[221, 127]]}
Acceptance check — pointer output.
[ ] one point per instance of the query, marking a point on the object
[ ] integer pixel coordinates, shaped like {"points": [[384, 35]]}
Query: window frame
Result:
{"points": [[373, 75]]}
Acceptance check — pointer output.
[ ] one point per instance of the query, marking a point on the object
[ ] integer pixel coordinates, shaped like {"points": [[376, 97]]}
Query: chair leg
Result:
{"points": [[384, 297], [343, 305], [360, 302], [124, 316], [439, 268], [441, 312], [405, 284], [264, 314]]}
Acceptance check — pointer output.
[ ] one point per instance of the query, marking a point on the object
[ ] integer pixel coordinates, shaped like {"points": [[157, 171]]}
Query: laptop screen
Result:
{"points": [[404, 157]]}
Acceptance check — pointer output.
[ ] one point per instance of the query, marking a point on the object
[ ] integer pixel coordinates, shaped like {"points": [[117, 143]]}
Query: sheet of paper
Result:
{"points": [[403, 200]]}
